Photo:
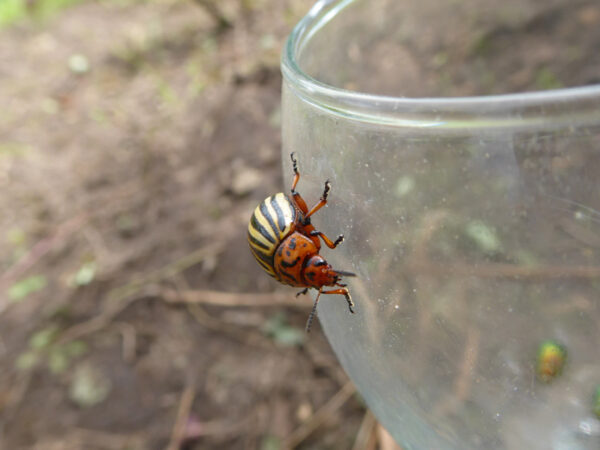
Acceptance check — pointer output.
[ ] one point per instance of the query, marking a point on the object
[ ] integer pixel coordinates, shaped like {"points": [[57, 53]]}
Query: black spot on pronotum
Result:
{"points": [[285, 263], [287, 275], [311, 276], [293, 243], [288, 253]]}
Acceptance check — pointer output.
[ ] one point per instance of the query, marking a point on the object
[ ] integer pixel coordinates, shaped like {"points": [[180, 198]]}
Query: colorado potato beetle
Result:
{"points": [[286, 244]]}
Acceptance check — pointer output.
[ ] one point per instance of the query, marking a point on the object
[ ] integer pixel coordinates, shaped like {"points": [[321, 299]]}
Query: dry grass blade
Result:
{"points": [[183, 413], [498, 270], [118, 299], [365, 438], [220, 298], [386, 441], [38, 251]]}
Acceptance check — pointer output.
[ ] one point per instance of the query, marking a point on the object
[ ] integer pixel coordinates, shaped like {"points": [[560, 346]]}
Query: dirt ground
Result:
{"points": [[136, 138]]}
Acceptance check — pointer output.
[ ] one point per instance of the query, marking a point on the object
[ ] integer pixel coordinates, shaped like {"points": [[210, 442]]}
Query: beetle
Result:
{"points": [[286, 244]]}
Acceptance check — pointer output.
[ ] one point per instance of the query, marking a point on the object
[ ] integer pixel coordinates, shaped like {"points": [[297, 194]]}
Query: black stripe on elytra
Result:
{"points": [[268, 269], [269, 272], [278, 213], [262, 257], [284, 263], [258, 227], [253, 241], [265, 212]]}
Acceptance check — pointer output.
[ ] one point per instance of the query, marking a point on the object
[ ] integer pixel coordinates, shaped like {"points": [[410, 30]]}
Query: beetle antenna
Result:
{"points": [[343, 273]]}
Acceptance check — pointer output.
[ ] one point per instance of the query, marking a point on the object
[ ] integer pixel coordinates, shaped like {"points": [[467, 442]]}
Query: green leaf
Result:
{"points": [[16, 236], [76, 348], [43, 338], [61, 356], [86, 274], [282, 332], [270, 442], [89, 386], [484, 236], [11, 11], [27, 360], [29, 285], [58, 360], [404, 185]]}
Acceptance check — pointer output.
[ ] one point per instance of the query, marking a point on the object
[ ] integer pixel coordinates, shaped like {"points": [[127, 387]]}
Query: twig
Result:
{"points": [[462, 383], [167, 271], [469, 361], [38, 251], [220, 298], [86, 438], [365, 437], [332, 405], [233, 332], [493, 270], [211, 8], [41, 248], [183, 414], [121, 297], [15, 398], [94, 324], [128, 334], [386, 441]]}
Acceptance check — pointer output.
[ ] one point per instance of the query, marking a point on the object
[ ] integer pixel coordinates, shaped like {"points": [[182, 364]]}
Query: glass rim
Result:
{"points": [[579, 104]]}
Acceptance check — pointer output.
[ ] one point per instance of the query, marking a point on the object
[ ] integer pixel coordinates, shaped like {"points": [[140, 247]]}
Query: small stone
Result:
{"points": [[245, 180], [78, 63]]}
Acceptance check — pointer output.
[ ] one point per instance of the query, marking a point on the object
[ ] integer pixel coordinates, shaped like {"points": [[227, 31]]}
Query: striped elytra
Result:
{"points": [[286, 244], [272, 220]]}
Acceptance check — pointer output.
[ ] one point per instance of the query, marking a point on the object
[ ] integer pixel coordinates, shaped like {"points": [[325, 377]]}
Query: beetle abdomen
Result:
{"points": [[271, 222]]}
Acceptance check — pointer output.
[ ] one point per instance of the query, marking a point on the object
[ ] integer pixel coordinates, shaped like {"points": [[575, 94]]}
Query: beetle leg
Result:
{"points": [[311, 316], [322, 202], [295, 168], [296, 197], [328, 242], [302, 292], [343, 291]]}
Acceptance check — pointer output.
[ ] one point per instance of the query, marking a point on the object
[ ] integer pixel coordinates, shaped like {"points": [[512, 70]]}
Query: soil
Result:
{"points": [[136, 139]]}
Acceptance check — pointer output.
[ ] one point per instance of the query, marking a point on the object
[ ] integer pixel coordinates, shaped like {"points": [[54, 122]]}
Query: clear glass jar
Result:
{"points": [[472, 222]]}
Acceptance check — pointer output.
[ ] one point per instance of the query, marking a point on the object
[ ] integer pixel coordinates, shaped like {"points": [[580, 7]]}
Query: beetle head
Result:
{"points": [[319, 272]]}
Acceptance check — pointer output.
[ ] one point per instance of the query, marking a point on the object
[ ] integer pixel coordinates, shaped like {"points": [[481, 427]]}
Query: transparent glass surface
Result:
{"points": [[471, 220]]}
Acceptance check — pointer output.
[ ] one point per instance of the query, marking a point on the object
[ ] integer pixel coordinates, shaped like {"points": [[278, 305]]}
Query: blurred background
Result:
{"points": [[136, 138]]}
